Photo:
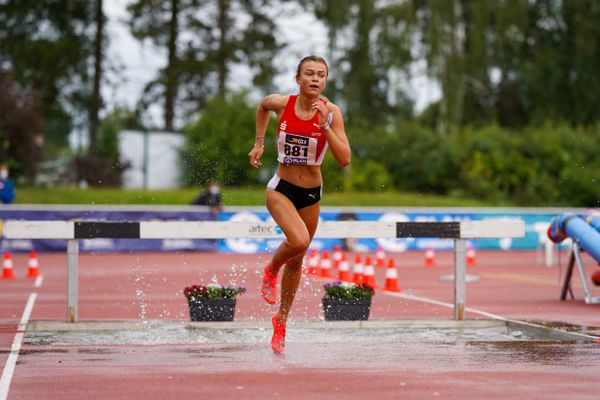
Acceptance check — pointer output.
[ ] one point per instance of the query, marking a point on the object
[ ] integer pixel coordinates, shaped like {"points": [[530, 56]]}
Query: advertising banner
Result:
{"points": [[109, 245], [536, 224]]}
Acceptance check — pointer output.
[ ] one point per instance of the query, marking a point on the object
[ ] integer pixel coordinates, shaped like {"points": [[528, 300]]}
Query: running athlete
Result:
{"points": [[308, 124]]}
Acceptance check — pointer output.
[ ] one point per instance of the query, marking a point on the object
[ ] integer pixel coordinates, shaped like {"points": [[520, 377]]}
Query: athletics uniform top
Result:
{"points": [[299, 141]]}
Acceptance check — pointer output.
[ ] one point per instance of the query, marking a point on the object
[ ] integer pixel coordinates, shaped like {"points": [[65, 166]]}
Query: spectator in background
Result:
{"points": [[7, 188], [348, 244], [211, 197]]}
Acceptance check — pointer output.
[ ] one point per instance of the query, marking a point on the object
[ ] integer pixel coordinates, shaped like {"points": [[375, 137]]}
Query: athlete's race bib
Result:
{"points": [[295, 149]]}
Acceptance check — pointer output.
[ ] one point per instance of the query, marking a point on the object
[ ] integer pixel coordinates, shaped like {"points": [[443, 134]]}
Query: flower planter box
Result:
{"points": [[212, 310], [346, 309]]}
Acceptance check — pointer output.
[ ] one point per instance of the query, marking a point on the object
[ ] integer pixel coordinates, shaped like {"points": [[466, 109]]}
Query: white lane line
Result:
{"points": [[444, 304], [421, 299], [38, 281], [480, 312], [9, 367]]}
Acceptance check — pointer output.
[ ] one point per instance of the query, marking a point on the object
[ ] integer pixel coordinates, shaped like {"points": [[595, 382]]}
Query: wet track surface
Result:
{"points": [[315, 364], [135, 339]]}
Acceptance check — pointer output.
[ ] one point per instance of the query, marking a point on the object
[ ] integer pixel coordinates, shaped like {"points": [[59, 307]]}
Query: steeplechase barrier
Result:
{"points": [[74, 231]]}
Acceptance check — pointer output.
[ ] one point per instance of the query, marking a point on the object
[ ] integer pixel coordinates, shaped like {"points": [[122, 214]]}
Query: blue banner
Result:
{"points": [[536, 225]]}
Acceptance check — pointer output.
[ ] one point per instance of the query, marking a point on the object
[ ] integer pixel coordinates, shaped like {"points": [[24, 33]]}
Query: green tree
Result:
{"points": [[512, 62], [21, 121], [218, 143], [46, 46], [369, 50], [205, 39], [560, 73], [95, 102]]}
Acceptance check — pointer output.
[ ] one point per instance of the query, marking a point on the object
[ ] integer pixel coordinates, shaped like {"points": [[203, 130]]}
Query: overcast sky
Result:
{"points": [[301, 30]]}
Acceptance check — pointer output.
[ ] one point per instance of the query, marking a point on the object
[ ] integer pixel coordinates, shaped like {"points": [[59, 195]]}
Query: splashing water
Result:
{"points": [[143, 307], [140, 275], [237, 274]]}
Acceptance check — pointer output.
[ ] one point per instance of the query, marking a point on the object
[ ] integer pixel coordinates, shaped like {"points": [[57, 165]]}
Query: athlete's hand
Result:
{"points": [[255, 155], [319, 106], [323, 112]]}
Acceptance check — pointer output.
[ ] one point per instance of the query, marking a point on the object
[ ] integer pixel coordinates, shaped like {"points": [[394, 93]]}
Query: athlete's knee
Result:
{"points": [[299, 244]]}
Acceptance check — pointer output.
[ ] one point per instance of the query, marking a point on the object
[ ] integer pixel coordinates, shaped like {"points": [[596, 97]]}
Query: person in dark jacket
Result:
{"points": [[211, 197], [7, 188]]}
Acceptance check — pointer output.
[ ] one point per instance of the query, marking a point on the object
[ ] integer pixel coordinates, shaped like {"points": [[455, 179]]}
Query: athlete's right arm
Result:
{"points": [[271, 103]]}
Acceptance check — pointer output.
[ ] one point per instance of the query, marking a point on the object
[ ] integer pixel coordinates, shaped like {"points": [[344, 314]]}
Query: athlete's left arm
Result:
{"points": [[336, 137]]}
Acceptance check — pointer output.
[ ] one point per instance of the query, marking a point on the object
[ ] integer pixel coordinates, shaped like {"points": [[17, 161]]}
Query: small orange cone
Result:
{"points": [[358, 269], [337, 256], [470, 254], [391, 277], [33, 271], [344, 269], [369, 275], [429, 257], [7, 266], [325, 265], [313, 262], [380, 257]]}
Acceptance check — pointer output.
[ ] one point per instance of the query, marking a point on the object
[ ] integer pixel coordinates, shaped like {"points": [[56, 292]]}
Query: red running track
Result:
{"points": [[149, 286]]}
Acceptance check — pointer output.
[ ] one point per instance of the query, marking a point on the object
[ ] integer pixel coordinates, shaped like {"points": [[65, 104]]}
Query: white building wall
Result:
{"points": [[163, 159]]}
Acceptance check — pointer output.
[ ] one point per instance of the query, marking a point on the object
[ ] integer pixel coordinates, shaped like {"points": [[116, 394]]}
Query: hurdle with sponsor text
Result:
{"points": [[74, 231]]}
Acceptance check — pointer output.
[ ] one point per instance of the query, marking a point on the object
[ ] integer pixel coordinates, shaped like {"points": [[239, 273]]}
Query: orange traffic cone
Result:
{"points": [[7, 266], [325, 265], [313, 262], [391, 277], [358, 269], [33, 271], [369, 275], [337, 256], [344, 269], [429, 257], [380, 257], [470, 254]]}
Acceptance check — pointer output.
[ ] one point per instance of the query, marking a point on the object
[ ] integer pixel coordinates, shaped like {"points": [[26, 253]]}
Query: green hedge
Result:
{"points": [[552, 165]]}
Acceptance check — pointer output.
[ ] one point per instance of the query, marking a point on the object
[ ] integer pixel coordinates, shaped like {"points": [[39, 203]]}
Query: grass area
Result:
{"points": [[237, 197]]}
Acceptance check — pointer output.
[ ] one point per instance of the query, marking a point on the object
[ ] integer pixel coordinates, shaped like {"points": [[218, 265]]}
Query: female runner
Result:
{"points": [[308, 124]]}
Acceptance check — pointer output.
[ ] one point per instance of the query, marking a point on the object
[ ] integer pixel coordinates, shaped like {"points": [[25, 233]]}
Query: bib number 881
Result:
{"points": [[295, 151]]}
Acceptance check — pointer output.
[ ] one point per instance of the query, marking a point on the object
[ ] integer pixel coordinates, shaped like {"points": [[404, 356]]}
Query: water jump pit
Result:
{"points": [[340, 332], [470, 359]]}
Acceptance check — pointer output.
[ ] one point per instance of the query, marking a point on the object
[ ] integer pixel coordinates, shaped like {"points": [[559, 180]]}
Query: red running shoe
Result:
{"points": [[268, 289], [278, 339]]}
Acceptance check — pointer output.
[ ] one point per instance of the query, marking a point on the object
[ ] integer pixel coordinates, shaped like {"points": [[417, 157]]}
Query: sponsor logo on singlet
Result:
{"points": [[316, 134], [297, 140], [293, 160]]}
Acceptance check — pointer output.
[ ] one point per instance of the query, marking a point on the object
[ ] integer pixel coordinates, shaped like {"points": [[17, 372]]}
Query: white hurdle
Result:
{"points": [[74, 231]]}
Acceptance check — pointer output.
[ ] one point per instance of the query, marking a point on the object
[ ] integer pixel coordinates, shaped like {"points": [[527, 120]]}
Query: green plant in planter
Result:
{"points": [[345, 301], [212, 302], [348, 290], [212, 291]]}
